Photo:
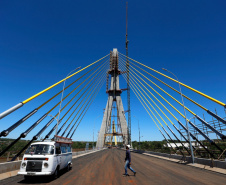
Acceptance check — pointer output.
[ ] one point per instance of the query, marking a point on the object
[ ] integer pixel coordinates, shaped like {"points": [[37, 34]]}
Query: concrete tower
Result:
{"points": [[114, 95]]}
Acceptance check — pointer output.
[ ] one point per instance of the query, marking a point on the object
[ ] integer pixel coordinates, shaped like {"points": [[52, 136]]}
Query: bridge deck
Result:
{"points": [[106, 167]]}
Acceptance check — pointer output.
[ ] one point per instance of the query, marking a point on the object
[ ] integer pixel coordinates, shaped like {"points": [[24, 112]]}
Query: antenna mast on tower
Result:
{"points": [[128, 87]]}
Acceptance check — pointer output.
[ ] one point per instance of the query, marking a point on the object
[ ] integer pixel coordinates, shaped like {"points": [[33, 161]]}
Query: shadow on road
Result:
{"points": [[41, 179]]}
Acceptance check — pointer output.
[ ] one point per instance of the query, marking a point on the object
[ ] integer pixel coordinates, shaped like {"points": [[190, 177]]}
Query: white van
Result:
{"points": [[47, 158]]}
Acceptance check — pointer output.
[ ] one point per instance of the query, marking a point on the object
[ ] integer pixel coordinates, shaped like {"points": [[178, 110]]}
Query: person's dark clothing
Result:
{"points": [[128, 156], [128, 161]]}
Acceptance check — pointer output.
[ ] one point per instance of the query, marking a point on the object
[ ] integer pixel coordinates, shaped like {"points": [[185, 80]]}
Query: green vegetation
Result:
{"points": [[82, 144], [157, 146], [4, 142]]}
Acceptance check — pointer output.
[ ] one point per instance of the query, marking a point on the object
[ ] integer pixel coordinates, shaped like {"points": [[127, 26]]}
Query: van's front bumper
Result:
{"points": [[34, 173]]}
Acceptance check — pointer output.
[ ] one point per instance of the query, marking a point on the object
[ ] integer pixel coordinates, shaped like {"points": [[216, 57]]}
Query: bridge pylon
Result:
{"points": [[114, 99]]}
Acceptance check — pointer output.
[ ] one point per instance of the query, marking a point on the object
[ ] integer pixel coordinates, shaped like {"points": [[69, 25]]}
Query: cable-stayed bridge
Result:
{"points": [[63, 112]]}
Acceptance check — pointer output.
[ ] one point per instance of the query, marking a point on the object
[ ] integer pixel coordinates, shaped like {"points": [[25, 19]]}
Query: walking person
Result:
{"points": [[128, 162]]}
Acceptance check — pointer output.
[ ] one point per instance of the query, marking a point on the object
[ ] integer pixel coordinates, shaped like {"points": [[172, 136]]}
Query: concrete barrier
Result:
{"points": [[204, 161], [9, 166]]}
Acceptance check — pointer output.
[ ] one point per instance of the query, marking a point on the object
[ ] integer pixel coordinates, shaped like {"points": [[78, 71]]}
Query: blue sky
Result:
{"points": [[42, 41]]}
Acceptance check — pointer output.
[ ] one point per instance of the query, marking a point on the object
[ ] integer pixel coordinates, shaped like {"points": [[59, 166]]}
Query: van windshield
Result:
{"points": [[40, 149]]}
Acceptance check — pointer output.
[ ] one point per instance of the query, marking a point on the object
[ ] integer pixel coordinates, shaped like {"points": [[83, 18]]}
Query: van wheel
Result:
{"points": [[55, 175], [69, 167]]}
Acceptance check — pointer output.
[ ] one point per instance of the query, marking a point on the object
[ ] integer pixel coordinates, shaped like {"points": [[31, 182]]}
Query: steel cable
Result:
{"points": [[210, 98], [19, 105], [78, 105], [24, 134], [87, 109], [91, 95], [211, 141], [15, 125], [81, 107], [208, 111], [152, 118], [134, 87], [209, 126]]}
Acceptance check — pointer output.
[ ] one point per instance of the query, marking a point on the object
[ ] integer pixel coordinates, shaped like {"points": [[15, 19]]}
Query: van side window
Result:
{"points": [[58, 151], [63, 149], [68, 149]]}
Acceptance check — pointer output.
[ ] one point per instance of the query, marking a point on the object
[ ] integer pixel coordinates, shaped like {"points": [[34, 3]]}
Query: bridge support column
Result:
{"points": [[114, 97]]}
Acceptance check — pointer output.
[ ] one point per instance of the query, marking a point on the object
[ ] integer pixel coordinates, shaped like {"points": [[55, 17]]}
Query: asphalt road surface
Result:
{"points": [[106, 168]]}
